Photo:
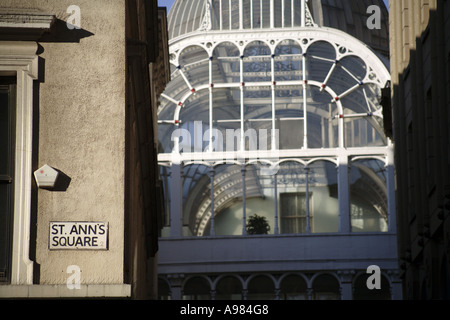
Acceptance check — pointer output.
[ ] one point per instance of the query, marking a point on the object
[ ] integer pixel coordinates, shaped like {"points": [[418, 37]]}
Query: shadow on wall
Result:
{"points": [[424, 260], [61, 33]]}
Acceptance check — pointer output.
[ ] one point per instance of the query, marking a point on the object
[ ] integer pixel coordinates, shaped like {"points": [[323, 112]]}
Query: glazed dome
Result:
{"points": [[350, 16]]}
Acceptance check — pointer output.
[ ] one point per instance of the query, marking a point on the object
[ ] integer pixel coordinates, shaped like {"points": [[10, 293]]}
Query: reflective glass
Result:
{"points": [[261, 288], [257, 62], [228, 201], [227, 115], [4, 131], [368, 196], [194, 62], [289, 116], [226, 63], [293, 288], [322, 121], [196, 192], [320, 58], [288, 61], [197, 288], [229, 288]]}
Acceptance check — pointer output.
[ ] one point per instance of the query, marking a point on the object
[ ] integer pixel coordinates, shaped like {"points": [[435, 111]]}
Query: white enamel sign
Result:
{"points": [[78, 236]]}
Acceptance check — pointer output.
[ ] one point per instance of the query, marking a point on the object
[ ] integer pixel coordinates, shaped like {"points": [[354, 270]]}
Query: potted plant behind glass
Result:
{"points": [[257, 225]]}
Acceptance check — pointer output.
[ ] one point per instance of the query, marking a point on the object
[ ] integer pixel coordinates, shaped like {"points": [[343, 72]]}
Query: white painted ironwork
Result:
{"points": [[227, 57]]}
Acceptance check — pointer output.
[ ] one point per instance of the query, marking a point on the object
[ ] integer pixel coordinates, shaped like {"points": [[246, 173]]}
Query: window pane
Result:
{"points": [[4, 130], [194, 62], [289, 117], [261, 288], [226, 63], [326, 287], [257, 62], [6, 175], [324, 205], [288, 61], [293, 213], [228, 200], [197, 289], [322, 121], [368, 196], [320, 58], [196, 191], [229, 288], [5, 232], [293, 288]]}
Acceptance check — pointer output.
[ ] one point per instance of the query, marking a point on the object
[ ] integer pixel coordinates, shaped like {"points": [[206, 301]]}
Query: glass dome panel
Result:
{"points": [[323, 189], [363, 132], [226, 63], [288, 61], [257, 62], [289, 116], [321, 56], [227, 115], [177, 87], [257, 116], [194, 62], [368, 196], [322, 122], [193, 125], [355, 66], [196, 186]]}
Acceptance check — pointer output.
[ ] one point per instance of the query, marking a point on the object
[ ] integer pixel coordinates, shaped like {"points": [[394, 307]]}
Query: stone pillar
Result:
{"points": [[176, 286], [346, 277]]}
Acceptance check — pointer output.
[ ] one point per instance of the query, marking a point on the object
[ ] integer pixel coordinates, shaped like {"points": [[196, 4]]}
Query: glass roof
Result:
{"points": [[290, 88], [187, 16]]}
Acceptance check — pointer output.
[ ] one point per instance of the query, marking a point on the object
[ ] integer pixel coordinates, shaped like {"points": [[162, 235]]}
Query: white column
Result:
{"points": [[390, 184], [275, 185], [303, 12], [244, 214], [343, 194], [308, 226], [211, 220]]}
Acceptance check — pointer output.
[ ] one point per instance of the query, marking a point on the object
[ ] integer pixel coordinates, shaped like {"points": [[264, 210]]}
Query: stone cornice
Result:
{"points": [[24, 24]]}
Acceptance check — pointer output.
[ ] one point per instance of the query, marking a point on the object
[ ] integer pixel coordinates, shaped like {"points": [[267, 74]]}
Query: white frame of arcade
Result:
{"points": [[182, 257]]}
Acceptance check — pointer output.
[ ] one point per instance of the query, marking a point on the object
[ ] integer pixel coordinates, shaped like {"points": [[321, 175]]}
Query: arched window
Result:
{"points": [[362, 292], [288, 61], [293, 287], [326, 287], [257, 62], [261, 288], [228, 197], [196, 199], [368, 196], [194, 64], [197, 288], [163, 290], [226, 63], [229, 288]]}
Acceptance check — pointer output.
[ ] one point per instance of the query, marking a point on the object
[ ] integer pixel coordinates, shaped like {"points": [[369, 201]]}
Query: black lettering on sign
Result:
{"points": [[78, 235]]}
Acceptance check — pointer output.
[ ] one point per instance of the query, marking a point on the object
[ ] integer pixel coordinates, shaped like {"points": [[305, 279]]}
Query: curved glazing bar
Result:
{"points": [[311, 91]]}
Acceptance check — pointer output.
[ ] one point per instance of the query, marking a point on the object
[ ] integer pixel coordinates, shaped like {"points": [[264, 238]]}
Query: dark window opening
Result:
{"points": [[7, 146]]}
